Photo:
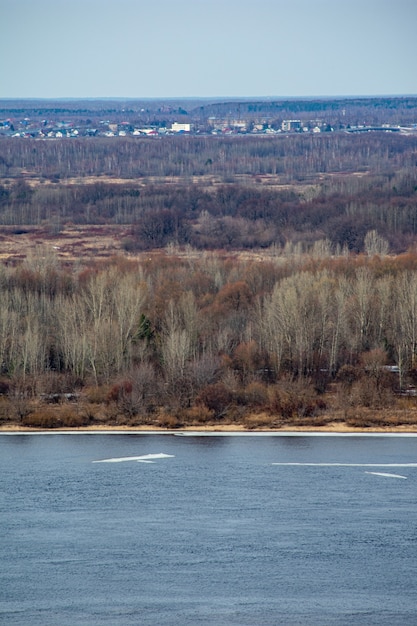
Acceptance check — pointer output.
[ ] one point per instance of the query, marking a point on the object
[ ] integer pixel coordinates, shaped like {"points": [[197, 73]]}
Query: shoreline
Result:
{"points": [[330, 429]]}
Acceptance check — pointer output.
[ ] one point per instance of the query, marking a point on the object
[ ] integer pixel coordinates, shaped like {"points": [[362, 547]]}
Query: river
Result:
{"points": [[208, 529]]}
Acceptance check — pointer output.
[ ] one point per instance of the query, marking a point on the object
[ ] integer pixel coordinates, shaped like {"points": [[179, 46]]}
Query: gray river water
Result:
{"points": [[214, 530]]}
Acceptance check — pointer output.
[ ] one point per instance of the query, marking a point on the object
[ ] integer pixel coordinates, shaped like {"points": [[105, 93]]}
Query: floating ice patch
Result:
{"points": [[144, 458], [348, 464], [386, 475]]}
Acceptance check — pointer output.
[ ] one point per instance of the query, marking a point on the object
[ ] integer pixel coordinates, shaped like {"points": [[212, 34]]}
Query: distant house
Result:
{"points": [[180, 128], [290, 125], [239, 126]]}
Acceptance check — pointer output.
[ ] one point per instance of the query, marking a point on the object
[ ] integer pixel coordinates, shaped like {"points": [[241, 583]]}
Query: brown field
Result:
{"points": [[87, 243], [204, 181], [103, 241], [73, 242]]}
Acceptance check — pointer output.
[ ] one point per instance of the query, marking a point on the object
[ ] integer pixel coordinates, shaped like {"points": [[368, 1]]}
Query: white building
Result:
{"points": [[180, 128], [289, 125]]}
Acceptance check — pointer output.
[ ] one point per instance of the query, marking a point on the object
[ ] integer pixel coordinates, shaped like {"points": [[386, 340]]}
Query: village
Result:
{"points": [[60, 129]]}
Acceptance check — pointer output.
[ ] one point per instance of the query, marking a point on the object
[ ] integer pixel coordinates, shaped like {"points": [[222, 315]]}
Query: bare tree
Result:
{"points": [[375, 244]]}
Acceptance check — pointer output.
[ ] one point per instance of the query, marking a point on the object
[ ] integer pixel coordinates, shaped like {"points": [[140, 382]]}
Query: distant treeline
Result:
{"points": [[294, 157], [354, 111]]}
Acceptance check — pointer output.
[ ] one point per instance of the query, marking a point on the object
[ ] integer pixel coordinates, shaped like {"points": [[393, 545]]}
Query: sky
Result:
{"points": [[207, 48]]}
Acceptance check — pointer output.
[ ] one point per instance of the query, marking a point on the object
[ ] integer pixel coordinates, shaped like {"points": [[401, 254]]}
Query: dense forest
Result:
{"points": [[179, 329], [190, 340]]}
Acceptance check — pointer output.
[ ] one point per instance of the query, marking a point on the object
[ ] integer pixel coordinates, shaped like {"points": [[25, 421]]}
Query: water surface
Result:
{"points": [[188, 530]]}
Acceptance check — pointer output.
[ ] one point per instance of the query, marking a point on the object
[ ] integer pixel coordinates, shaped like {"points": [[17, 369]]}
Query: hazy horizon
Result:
{"points": [[209, 98], [207, 49]]}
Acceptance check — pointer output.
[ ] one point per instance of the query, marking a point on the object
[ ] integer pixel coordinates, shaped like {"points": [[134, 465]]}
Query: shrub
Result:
{"points": [[41, 419], [347, 375], [368, 393], [295, 399], [168, 421], [97, 395], [119, 391], [283, 402], [6, 410], [49, 417], [136, 394], [259, 420], [217, 398], [199, 414], [256, 394]]}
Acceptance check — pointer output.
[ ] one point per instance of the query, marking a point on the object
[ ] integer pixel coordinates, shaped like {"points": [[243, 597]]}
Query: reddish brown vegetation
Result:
{"points": [[176, 341]]}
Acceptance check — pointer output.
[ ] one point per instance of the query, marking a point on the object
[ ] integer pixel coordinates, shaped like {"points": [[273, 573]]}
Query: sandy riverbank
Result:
{"points": [[332, 427]]}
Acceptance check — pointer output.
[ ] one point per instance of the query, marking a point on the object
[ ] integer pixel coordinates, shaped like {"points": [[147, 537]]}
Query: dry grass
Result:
{"points": [[72, 243], [89, 414], [56, 417], [204, 181]]}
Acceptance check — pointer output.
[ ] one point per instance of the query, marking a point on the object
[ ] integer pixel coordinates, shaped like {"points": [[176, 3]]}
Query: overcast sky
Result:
{"points": [[207, 48]]}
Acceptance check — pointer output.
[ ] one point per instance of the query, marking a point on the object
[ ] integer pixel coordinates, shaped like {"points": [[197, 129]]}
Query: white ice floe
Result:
{"points": [[348, 464], [386, 475], [144, 458]]}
